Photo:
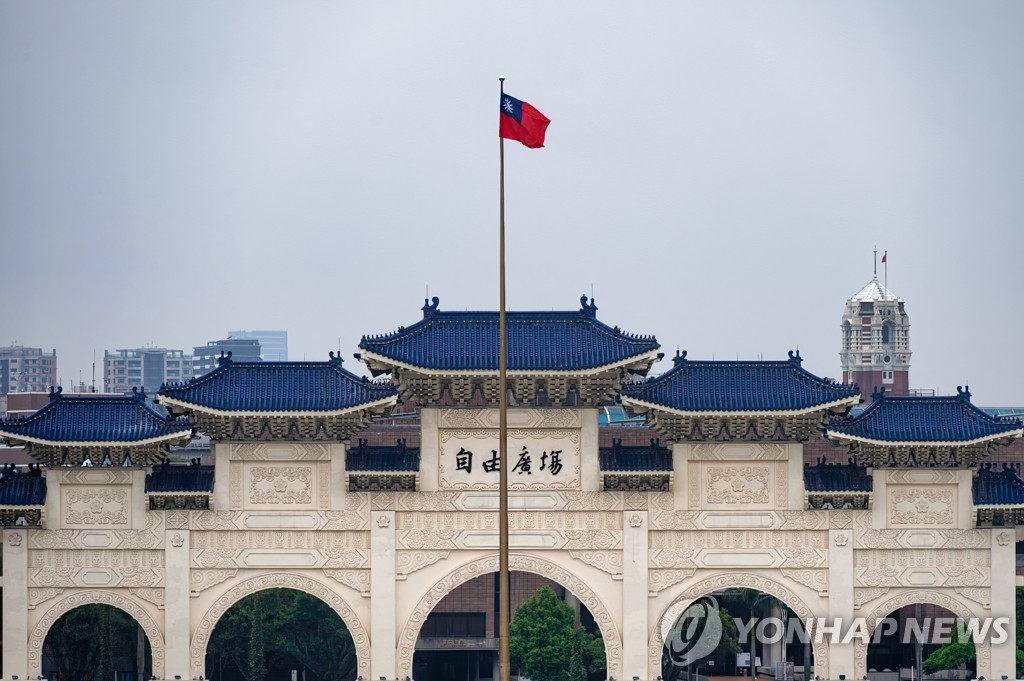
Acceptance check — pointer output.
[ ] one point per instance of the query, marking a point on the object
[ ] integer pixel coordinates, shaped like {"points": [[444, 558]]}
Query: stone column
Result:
{"points": [[1003, 602], [383, 627], [590, 463], [177, 603], [222, 477], [15, 606], [840, 604], [634, 594]]}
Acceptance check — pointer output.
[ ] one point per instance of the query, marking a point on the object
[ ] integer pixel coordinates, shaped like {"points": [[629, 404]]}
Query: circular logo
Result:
{"points": [[696, 634]]}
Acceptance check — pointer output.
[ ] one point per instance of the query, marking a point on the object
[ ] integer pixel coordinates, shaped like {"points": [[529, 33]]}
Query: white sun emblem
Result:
{"points": [[508, 105]]}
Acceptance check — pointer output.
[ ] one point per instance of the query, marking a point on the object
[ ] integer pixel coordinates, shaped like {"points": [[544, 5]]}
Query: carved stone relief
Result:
{"points": [[279, 451], [407, 562], [863, 595], [734, 451], [921, 506], [96, 506], [201, 580], [41, 595], [281, 485], [813, 579], [608, 561], [358, 580], [737, 485], [659, 580]]}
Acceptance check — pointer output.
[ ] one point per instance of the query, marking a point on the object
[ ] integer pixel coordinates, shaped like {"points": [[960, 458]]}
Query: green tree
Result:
{"points": [[959, 650], [544, 637], [90, 637], [257, 666]]}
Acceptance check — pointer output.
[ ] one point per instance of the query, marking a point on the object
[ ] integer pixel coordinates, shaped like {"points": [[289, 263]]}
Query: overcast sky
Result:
{"points": [[718, 171]]}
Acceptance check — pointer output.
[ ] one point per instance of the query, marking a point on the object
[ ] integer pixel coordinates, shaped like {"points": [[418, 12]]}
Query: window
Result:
{"points": [[455, 624]]}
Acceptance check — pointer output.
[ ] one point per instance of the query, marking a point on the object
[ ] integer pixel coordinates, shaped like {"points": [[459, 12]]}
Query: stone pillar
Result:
{"points": [[1003, 602], [634, 594], [590, 461], [383, 627], [840, 604], [338, 474], [429, 454], [177, 603], [15, 603], [222, 477]]}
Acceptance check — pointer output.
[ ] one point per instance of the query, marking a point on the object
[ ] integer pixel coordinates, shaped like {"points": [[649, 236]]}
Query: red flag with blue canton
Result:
{"points": [[521, 122]]}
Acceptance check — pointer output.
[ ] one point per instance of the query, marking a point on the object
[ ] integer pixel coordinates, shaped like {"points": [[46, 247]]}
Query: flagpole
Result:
{"points": [[885, 261], [504, 601]]}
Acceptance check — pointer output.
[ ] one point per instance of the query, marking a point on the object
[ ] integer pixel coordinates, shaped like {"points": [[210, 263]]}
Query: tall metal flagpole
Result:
{"points": [[504, 602]]}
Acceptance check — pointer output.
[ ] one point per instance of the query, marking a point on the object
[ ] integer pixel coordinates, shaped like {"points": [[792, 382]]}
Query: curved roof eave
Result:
{"points": [[651, 355], [824, 406], [189, 406], [181, 435], [841, 437]]}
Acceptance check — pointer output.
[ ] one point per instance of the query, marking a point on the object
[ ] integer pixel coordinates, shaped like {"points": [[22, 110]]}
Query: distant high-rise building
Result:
{"points": [[875, 351], [146, 367], [27, 369], [204, 357], [273, 344]]}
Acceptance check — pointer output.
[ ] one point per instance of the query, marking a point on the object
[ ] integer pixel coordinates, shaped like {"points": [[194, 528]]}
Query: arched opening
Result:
{"points": [[551, 629], [888, 333], [96, 641], [271, 633], [920, 640], [738, 632]]}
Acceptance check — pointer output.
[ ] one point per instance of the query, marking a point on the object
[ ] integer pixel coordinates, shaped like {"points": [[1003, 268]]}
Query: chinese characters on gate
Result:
{"points": [[549, 461]]}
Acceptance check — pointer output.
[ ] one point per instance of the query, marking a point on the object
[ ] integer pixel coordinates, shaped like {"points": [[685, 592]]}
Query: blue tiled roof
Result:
{"points": [[279, 387], [826, 477], [22, 489], [741, 386], [386, 459], [923, 419], [998, 488], [537, 341], [169, 478], [85, 418], [652, 457]]}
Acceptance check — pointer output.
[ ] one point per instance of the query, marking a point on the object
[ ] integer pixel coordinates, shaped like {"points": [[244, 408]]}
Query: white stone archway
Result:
{"points": [[733, 581], [519, 563], [279, 580], [913, 597], [117, 600]]}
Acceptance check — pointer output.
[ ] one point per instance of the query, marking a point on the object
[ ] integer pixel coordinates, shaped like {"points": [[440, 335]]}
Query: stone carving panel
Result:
{"points": [[736, 451], [609, 561], [357, 580], [150, 538], [95, 577], [740, 486], [517, 418], [41, 595], [609, 632], [96, 506], [281, 485], [813, 579], [201, 580], [272, 519], [38, 634], [913, 506], [659, 580], [280, 580], [280, 451], [407, 562]]}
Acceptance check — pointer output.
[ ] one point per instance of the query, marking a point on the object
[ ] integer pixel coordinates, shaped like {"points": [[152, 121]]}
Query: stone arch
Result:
{"points": [[279, 580], [117, 600], [520, 563], [954, 605], [732, 581]]}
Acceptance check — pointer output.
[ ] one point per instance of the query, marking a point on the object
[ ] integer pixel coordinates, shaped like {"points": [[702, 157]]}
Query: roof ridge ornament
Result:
{"points": [[55, 392], [795, 357], [430, 307], [335, 360], [877, 393], [964, 392], [139, 393], [588, 309], [225, 358], [680, 358]]}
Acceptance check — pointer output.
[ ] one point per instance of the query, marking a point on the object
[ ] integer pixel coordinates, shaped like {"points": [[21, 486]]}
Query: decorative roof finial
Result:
{"points": [[680, 358], [795, 357], [335, 360], [878, 393], [588, 309], [430, 307], [964, 392], [224, 358], [55, 392]]}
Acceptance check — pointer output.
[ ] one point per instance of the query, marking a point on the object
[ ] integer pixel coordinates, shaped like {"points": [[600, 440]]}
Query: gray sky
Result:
{"points": [[719, 171]]}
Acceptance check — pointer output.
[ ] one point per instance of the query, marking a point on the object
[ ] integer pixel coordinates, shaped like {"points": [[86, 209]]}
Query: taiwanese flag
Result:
{"points": [[521, 122]]}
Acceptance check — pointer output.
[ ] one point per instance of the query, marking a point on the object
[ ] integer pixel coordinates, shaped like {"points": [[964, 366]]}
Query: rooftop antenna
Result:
{"points": [[591, 290], [94, 369], [876, 262]]}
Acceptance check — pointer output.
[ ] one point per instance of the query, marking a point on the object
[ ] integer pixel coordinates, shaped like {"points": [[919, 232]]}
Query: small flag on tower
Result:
{"points": [[884, 256], [521, 122]]}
